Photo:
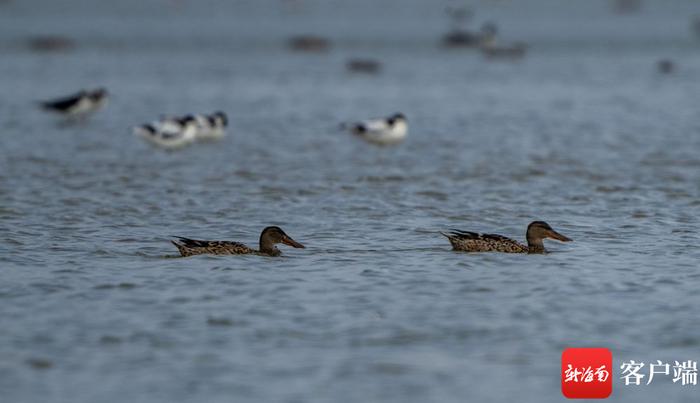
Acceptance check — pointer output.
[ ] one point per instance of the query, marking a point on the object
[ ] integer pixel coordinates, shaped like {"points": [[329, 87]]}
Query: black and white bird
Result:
{"points": [[211, 127], [382, 131], [169, 133], [78, 105]]}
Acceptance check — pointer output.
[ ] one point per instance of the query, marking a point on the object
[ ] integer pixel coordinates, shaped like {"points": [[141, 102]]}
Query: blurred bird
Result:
{"points": [[169, 134], [665, 66], [463, 38], [367, 66], [211, 127], [382, 131], [78, 105], [309, 43]]}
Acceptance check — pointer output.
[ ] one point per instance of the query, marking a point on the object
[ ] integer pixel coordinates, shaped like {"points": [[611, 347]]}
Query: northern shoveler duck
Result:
{"points": [[77, 105], [383, 131], [269, 237], [537, 231]]}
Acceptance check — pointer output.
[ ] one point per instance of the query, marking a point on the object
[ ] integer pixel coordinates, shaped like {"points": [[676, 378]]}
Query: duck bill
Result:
{"points": [[559, 237], [289, 241]]}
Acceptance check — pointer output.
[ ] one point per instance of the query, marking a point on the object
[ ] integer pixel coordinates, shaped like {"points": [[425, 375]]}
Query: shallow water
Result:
{"points": [[582, 133]]}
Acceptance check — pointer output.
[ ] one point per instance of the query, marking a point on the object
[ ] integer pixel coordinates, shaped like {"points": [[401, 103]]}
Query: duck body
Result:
{"points": [[80, 104], [269, 237], [474, 242], [190, 247], [383, 131], [537, 231]]}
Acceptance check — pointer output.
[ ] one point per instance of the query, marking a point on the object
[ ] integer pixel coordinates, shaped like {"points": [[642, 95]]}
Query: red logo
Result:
{"points": [[586, 373]]}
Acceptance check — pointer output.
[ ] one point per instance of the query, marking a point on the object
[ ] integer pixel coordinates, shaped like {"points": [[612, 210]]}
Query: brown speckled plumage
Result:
{"points": [[474, 242], [189, 247], [269, 237]]}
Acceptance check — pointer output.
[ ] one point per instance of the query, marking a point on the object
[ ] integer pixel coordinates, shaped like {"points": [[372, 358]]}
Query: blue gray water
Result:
{"points": [[583, 133]]}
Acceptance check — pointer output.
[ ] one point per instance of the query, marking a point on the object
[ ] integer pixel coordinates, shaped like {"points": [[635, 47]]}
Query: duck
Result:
{"points": [[269, 237], [78, 105], [382, 131], [170, 133], [536, 232]]}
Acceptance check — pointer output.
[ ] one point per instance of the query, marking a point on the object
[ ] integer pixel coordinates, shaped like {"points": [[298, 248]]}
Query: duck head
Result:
{"points": [[272, 236], [537, 231]]}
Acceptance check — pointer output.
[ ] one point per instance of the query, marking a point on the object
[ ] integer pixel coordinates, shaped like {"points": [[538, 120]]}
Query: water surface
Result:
{"points": [[582, 133]]}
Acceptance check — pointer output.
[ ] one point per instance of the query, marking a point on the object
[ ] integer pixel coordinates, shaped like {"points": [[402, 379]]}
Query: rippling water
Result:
{"points": [[582, 133]]}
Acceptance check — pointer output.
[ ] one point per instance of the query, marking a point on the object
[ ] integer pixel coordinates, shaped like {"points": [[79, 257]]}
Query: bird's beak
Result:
{"points": [[559, 237], [289, 241]]}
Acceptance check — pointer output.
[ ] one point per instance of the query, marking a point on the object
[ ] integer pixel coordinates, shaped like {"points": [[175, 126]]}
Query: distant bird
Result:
{"points": [[211, 127], [383, 131], [367, 66], [309, 43], [665, 66], [50, 43], [462, 38], [269, 237], [78, 105], [537, 231], [175, 123], [169, 134]]}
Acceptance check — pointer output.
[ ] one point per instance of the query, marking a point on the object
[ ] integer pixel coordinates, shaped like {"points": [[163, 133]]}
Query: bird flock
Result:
{"points": [[175, 132]]}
